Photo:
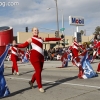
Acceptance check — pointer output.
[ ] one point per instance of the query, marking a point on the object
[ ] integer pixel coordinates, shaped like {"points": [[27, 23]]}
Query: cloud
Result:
{"points": [[34, 13]]}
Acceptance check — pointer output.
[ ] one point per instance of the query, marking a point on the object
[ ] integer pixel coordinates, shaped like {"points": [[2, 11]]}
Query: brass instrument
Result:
{"points": [[87, 43]]}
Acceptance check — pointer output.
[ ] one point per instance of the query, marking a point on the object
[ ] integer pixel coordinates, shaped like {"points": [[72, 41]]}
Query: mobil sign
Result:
{"points": [[74, 20]]}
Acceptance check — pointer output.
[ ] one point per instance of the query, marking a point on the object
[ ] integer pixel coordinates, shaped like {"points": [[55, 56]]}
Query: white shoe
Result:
{"points": [[13, 73], [98, 72], [41, 90], [17, 73]]}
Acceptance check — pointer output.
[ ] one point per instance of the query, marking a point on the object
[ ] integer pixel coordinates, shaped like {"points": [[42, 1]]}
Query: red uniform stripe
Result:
{"points": [[76, 44], [13, 48], [38, 43]]}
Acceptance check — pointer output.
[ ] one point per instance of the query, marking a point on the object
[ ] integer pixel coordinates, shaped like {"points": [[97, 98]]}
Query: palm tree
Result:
{"points": [[82, 32], [97, 30]]}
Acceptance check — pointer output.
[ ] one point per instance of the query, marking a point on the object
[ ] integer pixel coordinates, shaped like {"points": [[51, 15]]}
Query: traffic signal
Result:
{"points": [[79, 38], [56, 33], [63, 40], [57, 43], [26, 29], [62, 36], [63, 44]]}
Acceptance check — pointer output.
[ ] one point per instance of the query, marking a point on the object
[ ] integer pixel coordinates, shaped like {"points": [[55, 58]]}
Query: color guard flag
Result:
{"points": [[4, 91], [83, 61], [86, 66]]}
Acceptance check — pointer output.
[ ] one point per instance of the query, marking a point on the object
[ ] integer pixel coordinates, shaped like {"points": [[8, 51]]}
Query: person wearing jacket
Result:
{"points": [[37, 55]]}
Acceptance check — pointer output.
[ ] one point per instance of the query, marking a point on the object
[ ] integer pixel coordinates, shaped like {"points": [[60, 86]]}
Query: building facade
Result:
{"points": [[23, 36]]}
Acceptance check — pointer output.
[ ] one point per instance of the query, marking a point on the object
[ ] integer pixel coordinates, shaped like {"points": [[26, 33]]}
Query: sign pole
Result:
{"points": [[77, 30]]}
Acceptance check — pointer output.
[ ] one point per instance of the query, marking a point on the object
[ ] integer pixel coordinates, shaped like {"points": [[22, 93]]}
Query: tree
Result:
{"points": [[82, 32], [97, 30]]}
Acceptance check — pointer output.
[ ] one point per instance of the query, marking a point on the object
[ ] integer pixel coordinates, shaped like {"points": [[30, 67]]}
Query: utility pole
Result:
{"points": [[57, 17]]}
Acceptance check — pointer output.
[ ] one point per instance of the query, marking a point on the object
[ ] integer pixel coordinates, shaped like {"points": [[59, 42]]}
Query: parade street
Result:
{"points": [[59, 83]]}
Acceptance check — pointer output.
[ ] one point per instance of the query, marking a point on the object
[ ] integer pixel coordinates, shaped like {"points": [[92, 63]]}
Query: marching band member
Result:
{"points": [[36, 55], [14, 57], [20, 54], [64, 58], [26, 56], [98, 46], [75, 52], [98, 69], [95, 41], [75, 47]]}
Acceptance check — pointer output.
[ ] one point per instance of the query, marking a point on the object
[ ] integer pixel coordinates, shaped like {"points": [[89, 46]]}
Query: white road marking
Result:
{"points": [[81, 85]]}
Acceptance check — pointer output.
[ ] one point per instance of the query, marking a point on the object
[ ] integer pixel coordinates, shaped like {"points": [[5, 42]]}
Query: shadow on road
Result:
{"points": [[7, 74], [58, 82], [49, 85], [17, 92]]}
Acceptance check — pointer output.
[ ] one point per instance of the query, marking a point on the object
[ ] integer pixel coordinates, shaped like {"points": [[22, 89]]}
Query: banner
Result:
{"points": [[4, 90], [88, 70]]}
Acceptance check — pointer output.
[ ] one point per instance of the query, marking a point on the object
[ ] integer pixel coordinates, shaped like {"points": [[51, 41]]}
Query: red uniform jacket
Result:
{"points": [[37, 54]]}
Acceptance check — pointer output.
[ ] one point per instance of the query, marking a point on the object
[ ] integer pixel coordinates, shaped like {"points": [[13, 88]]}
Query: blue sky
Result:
{"points": [[34, 13]]}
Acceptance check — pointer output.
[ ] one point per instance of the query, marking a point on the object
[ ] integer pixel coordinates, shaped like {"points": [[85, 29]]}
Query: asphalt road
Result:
{"points": [[59, 83]]}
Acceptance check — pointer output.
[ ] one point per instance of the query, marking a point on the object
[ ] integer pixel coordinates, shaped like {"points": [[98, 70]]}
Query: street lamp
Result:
{"points": [[58, 21], [62, 22], [57, 16], [62, 18]]}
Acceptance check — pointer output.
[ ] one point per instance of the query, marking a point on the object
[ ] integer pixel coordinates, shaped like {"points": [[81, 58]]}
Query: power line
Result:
{"points": [[45, 28]]}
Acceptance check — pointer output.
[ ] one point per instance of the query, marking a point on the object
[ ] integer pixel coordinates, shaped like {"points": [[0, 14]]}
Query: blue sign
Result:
{"points": [[78, 21], [62, 29]]}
